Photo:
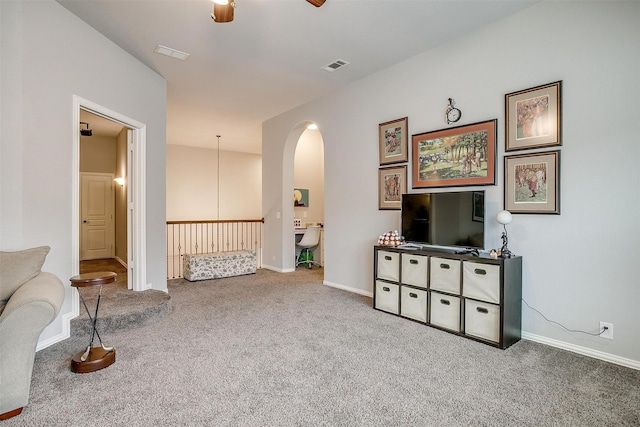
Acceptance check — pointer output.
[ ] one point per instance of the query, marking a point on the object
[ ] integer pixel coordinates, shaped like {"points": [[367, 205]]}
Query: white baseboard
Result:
{"points": [[348, 288], [124, 264], [596, 354], [278, 270], [66, 332]]}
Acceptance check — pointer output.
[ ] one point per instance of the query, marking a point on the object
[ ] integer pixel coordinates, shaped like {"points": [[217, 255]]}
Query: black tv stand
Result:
{"points": [[476, 297]]}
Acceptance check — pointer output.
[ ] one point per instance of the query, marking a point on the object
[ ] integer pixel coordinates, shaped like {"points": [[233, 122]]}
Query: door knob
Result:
{"points": [[84, 221]]}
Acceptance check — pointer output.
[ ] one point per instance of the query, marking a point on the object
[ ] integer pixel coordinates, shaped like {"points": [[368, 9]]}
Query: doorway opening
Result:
{"points": [[120, 232], [308, 196]]}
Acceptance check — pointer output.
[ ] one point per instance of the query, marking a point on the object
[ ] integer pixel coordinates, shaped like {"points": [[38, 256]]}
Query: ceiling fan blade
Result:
{"points": [[316, 3], [222, 13]]}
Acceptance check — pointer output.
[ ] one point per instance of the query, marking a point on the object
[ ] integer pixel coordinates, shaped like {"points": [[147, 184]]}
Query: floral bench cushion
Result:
{"points": [[218, 265]]}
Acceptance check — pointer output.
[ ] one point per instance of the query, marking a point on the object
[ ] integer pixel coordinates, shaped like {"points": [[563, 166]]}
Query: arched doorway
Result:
{"points": [[308, 191], [311, 143]]}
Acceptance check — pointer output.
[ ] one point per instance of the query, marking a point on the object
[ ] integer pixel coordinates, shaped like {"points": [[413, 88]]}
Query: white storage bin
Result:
{"points": [[445, 275], [481, 281], [388, 266], [387, 296], [445, 311], [415, 270], [413, 303], [482, 320]]}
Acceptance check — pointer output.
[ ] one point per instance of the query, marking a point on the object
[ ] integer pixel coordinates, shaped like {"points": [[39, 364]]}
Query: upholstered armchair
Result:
{"points": [[29, 300]]}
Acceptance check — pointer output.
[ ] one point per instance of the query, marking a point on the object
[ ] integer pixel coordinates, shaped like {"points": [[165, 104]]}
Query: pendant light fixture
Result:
{"points": [[218, 155]]}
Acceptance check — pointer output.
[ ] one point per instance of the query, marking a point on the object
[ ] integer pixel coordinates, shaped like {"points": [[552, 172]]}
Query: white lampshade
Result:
{"points": [[221, 2], [504, 217]]}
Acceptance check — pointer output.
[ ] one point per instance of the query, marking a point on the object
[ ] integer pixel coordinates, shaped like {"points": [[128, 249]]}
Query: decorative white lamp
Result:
{"points": [[504, 218]]}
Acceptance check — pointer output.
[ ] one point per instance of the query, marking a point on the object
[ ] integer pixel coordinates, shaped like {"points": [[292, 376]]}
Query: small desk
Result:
{"points": [[93, 358]]}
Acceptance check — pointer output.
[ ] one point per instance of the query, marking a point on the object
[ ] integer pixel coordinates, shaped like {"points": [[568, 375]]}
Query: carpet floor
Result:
{"points": [[120, 308], [275, 349]]}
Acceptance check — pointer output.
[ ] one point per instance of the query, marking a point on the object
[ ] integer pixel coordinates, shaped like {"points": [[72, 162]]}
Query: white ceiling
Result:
{"points": [[269, 59]]}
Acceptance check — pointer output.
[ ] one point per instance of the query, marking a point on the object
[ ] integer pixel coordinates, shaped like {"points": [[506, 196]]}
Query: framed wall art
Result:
{"points": [[459, 156], [392, 184], [532, 183], [393, 141], [533, 117], [301, 197]]}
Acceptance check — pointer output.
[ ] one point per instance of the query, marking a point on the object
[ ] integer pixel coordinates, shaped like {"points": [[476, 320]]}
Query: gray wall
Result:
{"points": [[49, 55], [580, 266]]}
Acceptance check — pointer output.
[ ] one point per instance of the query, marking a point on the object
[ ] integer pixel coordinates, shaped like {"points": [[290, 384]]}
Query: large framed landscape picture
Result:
{"points": [[533, 117], [459, 156], [532, 183], [393, 141]]}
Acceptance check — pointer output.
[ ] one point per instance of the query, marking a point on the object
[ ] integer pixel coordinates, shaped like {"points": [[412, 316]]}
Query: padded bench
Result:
{"points": [[218, 265]]}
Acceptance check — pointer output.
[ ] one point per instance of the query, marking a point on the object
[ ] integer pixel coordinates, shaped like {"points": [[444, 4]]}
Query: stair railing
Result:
{"points": [[209, 236]]}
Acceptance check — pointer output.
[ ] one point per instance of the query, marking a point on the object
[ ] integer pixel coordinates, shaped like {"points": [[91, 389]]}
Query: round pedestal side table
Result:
{"points": [[99, 357]]}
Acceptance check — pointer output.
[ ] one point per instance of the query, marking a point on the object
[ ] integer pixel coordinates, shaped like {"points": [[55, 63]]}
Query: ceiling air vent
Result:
{"points": [[171, 53], [335, 65]]}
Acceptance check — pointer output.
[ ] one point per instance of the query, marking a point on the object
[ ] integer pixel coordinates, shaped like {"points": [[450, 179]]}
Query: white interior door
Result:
{"points": [[96, 216]]}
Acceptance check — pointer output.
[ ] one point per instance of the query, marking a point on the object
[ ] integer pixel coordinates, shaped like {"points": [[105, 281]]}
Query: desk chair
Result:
{"points": [[311, 239]]}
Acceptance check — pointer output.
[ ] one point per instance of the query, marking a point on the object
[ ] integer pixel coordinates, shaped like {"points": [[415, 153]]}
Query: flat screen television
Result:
{"points": [[444, 220]]}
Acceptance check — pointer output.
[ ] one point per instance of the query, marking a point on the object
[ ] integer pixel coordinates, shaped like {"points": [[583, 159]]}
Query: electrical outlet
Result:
{"points": [[608, 334]]}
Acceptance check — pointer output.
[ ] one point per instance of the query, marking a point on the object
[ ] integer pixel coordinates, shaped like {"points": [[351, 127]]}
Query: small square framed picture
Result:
{"points": [[533, 117], [393, 141], [392, 184], [532, 183]]}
